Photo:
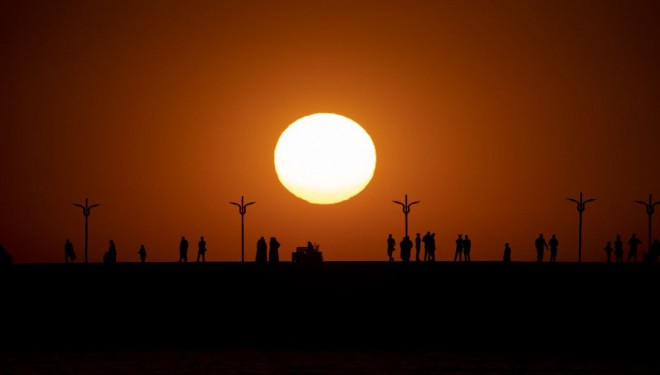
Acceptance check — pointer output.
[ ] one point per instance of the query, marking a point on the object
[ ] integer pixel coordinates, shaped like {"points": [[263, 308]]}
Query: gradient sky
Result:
{"points": [[489, 112]]}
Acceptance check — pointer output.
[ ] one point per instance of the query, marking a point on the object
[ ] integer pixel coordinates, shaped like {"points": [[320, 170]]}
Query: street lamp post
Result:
{"points": [[405, 206], [581, 205], [650, 208], [242, 209], [86, 210]]}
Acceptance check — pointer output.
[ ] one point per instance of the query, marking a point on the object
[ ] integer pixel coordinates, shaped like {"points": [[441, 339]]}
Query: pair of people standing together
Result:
{"points": [[262, 250], [541, 245], [183, 250], [463, 248]]}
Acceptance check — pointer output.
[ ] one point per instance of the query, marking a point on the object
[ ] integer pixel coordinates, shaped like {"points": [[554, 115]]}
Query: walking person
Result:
{"points": [[540, 245], [183, 250], [391, 244], [143, 254], [69, 254], [201, 250], [418, 246], [553, 243]]}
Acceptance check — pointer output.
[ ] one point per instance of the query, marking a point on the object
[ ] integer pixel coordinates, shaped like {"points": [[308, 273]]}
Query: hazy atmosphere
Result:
{"points": [[489, 113]]}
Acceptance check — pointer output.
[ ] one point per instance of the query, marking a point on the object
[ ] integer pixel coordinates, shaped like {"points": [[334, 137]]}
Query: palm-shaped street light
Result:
{"points": [[242, 209], [580, 207], [406, 209], [650, 208], [86, 210]]}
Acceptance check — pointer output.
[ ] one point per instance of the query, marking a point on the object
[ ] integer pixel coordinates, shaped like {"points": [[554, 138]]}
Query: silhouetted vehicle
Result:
{"points": [[307, 254]]}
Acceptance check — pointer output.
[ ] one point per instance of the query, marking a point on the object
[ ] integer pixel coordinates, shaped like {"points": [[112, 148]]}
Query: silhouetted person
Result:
{"points": [[69, 254], [183, 250], [432, 248], [274, 250], [618, 249], [391, 244], [553, 243], [418, 246], [655, 251], [262, 250], [427, 246], [633, 242], [540, 245], [405, 248], [5, 257], [201, 249], [110, 256], [608, 251], [467, 247], [459, 248], [507, 253], [142, 253]]}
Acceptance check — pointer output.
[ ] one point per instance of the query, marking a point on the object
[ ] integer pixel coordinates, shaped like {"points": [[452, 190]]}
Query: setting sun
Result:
{"points": [[325, 158]]}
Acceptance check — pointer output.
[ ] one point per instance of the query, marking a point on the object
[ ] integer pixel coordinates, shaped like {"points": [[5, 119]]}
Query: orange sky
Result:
{"points": [[491, 113]]}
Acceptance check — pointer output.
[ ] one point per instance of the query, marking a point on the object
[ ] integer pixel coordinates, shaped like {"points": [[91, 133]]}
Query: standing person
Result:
{"points": [[391, 244], [183, 250], [273, 253], [507, 253], [540, 245], [432, 247], [418, 246], [608, 251], [553, 243], [69, 254], [110, 256], [459, 248], [427, 246], [405, 248], [618, 249], [201, 250], [143, 254], [262, 250], [633, 242], [467, 247]]}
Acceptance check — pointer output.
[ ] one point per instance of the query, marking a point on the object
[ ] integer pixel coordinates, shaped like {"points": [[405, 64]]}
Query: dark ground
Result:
{"points": [[478, 306]]}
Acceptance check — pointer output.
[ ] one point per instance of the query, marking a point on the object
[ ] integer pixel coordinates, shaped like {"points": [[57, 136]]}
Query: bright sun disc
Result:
{"points": [[325, 158]]}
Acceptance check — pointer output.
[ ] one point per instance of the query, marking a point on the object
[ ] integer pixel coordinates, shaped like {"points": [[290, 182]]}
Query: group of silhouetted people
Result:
{"points": [[406, 246], [268, 252], [110, 256], [633, 244]]}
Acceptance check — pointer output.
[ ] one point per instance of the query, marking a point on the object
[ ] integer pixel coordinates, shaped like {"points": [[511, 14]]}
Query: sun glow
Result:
{"points": [[325, 158]]}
